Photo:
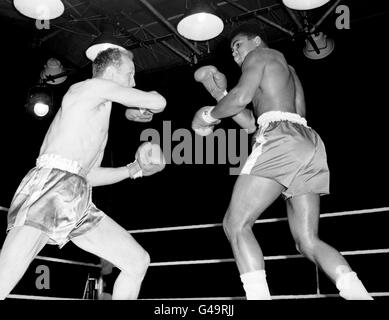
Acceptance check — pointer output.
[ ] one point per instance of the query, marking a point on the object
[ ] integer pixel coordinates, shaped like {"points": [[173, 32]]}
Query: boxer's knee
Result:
{"points": [[234, 224], [307, 246], [144, 263], [137, 267]]}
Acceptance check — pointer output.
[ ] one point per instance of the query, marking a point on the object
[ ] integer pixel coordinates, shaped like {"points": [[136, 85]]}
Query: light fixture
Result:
{"points": [[39, 101], [304, 4], [104, 41], [200, 22], [53, 72], [325, 46], [40, 9]]}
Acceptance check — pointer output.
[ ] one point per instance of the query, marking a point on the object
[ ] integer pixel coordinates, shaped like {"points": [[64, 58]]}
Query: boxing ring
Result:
{"points": [[318, 294]]}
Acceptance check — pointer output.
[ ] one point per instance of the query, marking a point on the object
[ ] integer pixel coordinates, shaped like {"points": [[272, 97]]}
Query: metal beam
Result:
{"points": [[294, 18], [80, 15], [50, 35], [259, 17], [302, 29], [167, 24], [165, 43], [145, 43], [314, 28], [179, 16]]}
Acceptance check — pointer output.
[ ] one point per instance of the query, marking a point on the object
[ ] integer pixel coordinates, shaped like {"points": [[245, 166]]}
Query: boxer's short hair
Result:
{"points": [[250, 30], [109, 57]]}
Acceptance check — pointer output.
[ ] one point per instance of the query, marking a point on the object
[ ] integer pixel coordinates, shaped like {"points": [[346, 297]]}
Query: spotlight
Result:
{"points": [[52, 72], [41, 109], [40, 101], [324, 44], [304, 4], [40, 9], [200, 22]]}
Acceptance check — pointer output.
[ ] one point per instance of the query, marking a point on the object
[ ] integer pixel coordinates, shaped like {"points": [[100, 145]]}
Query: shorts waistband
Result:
{"points": [[58, 162], [272, 116]]}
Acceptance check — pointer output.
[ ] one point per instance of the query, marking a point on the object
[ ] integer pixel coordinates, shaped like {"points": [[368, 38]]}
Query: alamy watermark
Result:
{"points": [[183, 146], [343, 20], [43, 280], [42, 12]]}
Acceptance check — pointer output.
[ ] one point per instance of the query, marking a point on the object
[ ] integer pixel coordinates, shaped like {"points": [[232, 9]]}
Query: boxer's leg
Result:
{"points": [[251, 196], [303, 216], [20, 247], [108, 240]]}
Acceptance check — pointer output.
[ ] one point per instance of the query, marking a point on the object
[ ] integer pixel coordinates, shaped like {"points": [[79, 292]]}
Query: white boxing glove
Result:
{"points": [[139, 115], [203, 123], [213, 80], [149, 160]]}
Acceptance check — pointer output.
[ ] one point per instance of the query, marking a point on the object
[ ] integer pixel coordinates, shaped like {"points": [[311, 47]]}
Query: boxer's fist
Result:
{"points": [[203, 123], [213, 80], [150, 159], [163, 104], [139, 115]]}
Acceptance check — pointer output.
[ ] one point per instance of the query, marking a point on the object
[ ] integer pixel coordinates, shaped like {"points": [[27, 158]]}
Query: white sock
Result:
{"points": [[351, 288], [255, 285]]}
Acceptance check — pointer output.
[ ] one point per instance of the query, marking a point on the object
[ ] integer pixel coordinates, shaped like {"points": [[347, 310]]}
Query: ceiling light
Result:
{"points": [[304, 4], [40, 101], [101, 43], [52, 69], [324, 44], [200, 22], [40, 9]]}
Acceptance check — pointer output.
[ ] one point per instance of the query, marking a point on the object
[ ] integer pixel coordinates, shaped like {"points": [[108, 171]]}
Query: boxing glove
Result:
{"points": [[213, 80], [139, 115], [203, 123], [149, 159]]}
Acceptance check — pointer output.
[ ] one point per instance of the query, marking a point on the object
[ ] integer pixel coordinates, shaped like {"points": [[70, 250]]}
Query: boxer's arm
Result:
{"points": [[131, 97], [99, 176], [246, 120], [243, 93]]}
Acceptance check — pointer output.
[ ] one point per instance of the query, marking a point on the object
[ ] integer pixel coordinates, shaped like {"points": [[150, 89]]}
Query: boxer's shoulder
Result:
{"points": [[264, 56]]}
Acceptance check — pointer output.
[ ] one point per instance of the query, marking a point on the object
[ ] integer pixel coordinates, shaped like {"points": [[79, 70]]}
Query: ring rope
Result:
{"points": [[68, 261], [275, 297], [210, 261], [279, 257], [211, 225], [29, 297]]}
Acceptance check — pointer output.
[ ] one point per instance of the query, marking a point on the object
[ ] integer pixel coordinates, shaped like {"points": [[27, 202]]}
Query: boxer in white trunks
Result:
{"points": [[288, 159]]}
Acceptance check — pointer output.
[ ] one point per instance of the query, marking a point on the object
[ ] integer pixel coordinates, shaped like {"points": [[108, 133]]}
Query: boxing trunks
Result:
{"points": [[55, 198], [286, 150]]}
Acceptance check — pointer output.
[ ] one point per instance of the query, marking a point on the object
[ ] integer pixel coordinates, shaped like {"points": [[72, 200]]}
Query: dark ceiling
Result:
{"points": [[148, 27]]}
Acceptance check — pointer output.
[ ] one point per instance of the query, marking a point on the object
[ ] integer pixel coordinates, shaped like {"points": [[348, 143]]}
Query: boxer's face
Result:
{"points": [[241, 46], [124, 74]]}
